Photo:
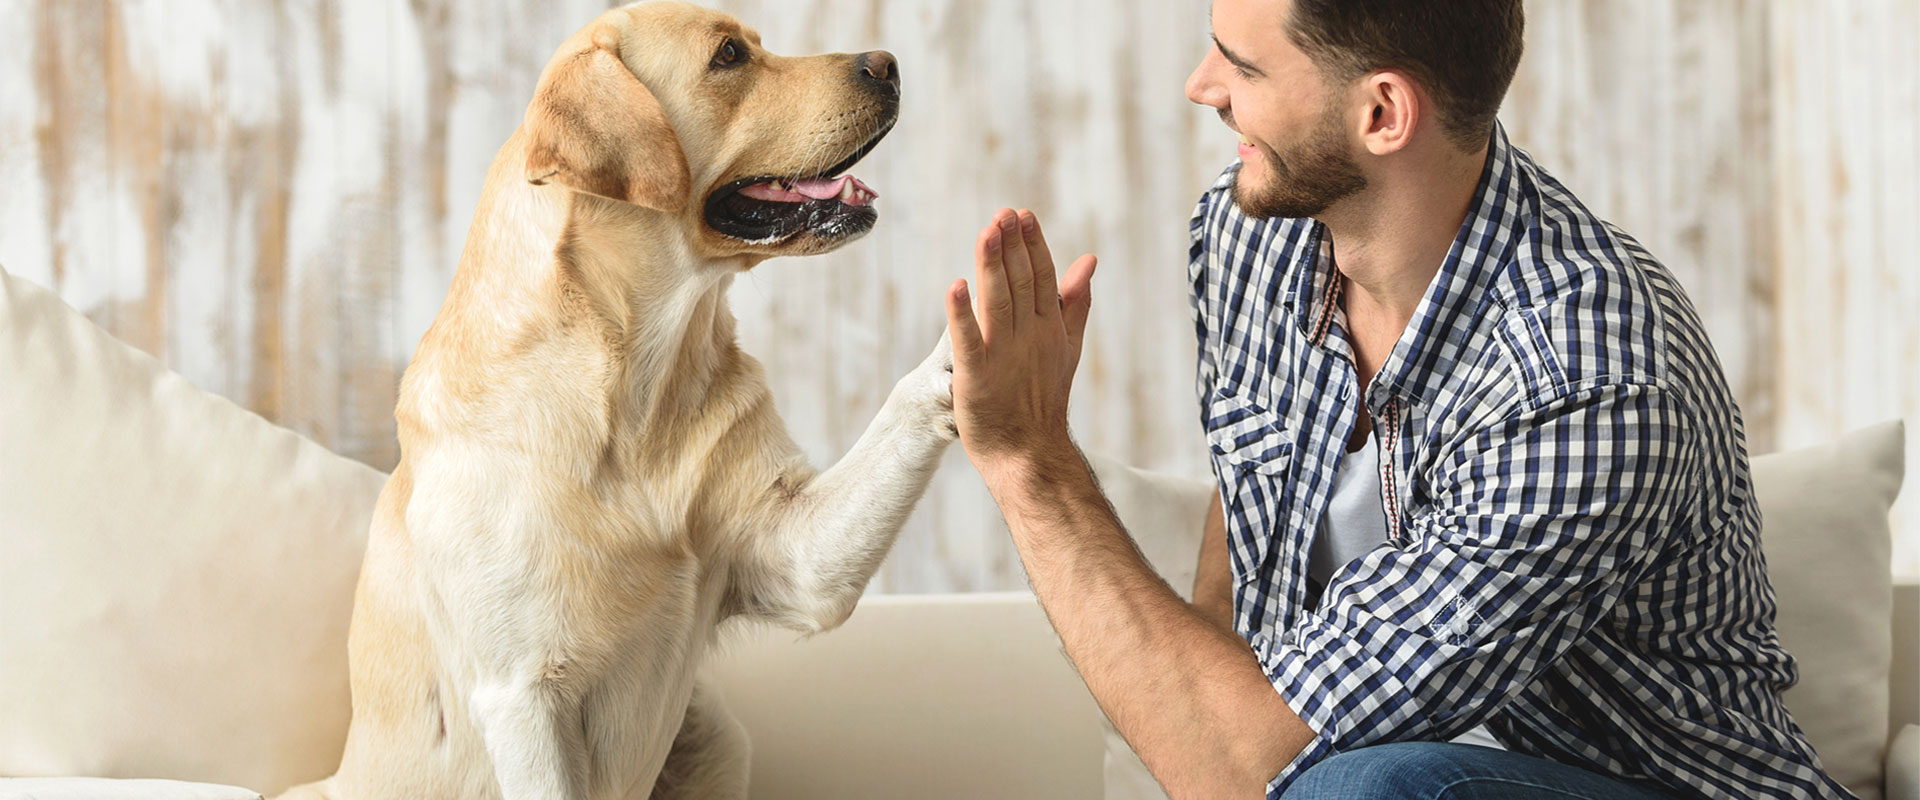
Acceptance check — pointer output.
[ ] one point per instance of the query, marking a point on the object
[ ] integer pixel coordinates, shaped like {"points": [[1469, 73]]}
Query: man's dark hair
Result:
{"points": [[1463, 52]]}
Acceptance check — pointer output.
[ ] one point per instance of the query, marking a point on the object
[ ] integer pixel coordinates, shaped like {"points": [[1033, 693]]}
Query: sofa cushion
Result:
{"points": [[1828, 545], [946, 697], [175, 572]]}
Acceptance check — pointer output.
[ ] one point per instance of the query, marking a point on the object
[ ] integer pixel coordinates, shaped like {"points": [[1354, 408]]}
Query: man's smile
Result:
{"points": [[1247, 148]]}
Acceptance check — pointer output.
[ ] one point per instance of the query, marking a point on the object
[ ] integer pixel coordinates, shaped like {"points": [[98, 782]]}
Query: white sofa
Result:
{"points": [[176, 575]]}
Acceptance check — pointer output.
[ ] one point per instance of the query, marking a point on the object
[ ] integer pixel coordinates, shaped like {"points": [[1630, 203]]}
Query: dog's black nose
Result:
{"points": [[879, 66]]}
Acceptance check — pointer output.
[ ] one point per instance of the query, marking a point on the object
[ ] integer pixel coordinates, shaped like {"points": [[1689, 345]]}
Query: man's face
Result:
{"points": [[1293, 139]]}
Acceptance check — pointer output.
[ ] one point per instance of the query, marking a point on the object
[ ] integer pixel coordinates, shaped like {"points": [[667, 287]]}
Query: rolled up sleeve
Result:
{"points": [[1538, 523]]}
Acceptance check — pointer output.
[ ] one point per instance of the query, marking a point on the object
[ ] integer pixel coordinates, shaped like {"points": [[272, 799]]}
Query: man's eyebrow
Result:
{"points": [[1243, 64]]}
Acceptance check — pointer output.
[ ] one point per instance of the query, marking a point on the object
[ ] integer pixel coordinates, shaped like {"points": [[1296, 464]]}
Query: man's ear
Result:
{"points": [[593, 127], [1394, 110]]}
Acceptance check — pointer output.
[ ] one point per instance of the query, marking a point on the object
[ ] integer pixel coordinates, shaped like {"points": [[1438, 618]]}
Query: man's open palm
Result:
{"points": [[1015, 349]]}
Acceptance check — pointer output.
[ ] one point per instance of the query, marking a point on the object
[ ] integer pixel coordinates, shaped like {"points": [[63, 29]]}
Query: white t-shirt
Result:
{"points": [[1355, 524]]}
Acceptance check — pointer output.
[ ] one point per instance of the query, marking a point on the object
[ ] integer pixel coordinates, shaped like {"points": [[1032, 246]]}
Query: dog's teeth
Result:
{"points": [[847, 191]]}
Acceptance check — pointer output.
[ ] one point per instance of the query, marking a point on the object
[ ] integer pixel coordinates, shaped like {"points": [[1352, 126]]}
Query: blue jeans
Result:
{"points": [[1448, 771]]}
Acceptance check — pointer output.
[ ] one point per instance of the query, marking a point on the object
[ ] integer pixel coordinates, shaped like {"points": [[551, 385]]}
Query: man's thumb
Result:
{"points": [[1076, 294], [961, 325]]}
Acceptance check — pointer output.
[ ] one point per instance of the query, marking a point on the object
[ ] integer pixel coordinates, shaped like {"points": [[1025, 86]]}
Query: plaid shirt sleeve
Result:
{"points": [[1539, 523]]}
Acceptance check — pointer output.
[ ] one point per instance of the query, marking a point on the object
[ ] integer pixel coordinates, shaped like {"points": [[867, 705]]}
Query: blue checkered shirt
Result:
{"points": [[1574, 548]]}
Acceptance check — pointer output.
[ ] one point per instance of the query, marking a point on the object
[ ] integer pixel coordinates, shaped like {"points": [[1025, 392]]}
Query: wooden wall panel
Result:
{"points": [[271, 196], [1846, 160], [260, 193], [1654, 113]]}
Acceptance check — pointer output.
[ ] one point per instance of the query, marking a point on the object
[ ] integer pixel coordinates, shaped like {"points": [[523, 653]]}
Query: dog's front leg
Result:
{"points": [[829, 536], [534, 738], [494, 628]]}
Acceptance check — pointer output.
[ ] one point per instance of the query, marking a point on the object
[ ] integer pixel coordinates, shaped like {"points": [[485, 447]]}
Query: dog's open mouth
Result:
{"points": [[830, 205]]}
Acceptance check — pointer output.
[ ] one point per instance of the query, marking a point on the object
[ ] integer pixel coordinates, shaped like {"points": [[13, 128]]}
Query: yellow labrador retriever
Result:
{"points": [[593, 474]]}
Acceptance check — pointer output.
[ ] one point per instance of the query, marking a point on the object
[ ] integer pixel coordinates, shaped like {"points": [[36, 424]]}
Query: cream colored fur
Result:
{"points": [[593, 476]]}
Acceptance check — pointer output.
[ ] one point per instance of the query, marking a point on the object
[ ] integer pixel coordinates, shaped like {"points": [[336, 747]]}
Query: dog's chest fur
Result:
{"points": [[576, 486]]}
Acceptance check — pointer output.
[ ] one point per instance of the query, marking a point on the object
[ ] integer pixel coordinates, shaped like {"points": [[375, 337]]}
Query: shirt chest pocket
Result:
{"points": [[1254, 452], [1248, 437]]}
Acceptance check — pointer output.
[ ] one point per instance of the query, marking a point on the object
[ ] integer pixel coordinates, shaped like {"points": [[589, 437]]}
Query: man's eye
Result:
{"points": [[728, 55]]}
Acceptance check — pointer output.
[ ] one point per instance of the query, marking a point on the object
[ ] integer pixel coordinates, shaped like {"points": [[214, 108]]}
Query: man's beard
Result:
{"points": [[1313, 176]]}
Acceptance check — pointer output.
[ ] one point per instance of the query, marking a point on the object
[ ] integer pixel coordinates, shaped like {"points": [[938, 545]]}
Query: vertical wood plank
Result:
{"points": [[26, 241], [87, 221]]}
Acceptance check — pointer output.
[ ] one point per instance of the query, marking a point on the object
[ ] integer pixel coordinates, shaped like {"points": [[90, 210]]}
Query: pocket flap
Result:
{"points": [[1247, 435]]}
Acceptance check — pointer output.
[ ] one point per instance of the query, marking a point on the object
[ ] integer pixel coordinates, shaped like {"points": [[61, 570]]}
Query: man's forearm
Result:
{"points": [[1187, 694]]}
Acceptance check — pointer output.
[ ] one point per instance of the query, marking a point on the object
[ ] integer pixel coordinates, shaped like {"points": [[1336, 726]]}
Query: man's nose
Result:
{"points": [[1203, 86]]}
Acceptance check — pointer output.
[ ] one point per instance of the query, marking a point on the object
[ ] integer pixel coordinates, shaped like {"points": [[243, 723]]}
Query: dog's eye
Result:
{"points": [[729, 54]]}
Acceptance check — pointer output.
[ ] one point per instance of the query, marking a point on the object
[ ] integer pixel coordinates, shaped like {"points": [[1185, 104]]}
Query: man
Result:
{"points": [[1549, 537]]}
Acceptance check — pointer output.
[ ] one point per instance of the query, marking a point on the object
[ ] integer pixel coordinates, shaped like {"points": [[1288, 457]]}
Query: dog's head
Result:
{"points": [[679, 109]]}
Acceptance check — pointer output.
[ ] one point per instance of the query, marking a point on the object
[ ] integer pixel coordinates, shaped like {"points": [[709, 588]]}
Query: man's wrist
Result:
{"points": [[1018, 471]]}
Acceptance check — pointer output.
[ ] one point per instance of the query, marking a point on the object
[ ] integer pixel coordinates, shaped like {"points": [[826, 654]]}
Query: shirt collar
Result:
{"points": [[1435, 338]]}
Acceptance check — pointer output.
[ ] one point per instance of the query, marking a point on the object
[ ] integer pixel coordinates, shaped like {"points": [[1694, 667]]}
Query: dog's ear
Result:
{"points": [[593, 127]]}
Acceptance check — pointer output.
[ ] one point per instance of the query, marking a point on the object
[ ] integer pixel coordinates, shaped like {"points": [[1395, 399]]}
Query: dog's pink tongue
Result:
{"points": [[814, 189], [821, 188], [825, 188]]}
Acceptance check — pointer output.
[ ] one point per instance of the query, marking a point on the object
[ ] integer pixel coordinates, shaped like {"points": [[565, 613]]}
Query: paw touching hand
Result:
{"points": [[928, 389], [939, 364]]}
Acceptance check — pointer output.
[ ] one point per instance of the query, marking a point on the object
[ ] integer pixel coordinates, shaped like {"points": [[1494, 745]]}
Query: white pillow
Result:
{"points": [[1828, 544], [175, 573]]}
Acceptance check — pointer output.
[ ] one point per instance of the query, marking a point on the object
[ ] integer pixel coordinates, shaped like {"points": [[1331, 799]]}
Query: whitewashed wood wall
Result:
{"points": [[270, 195]]}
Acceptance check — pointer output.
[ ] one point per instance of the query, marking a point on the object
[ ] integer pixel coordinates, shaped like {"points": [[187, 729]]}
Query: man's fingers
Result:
{"points": [[1046, 289], [1019, 262], [967, 343], [990, 274], [1076, 297]]}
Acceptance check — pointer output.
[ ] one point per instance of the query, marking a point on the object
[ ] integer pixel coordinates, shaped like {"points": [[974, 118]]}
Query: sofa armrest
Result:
{"points": [[1903, 765], [106, 789], [1904, 698]]}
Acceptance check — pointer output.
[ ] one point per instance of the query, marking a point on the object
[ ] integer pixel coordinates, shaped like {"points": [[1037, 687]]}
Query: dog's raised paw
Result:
{"points": [[926, 393], [943, 403]]}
